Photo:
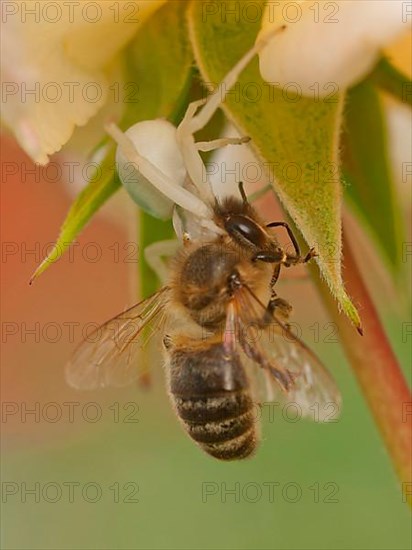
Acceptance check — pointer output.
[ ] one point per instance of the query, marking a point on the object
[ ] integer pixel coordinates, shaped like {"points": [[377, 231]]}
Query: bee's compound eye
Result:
{"points": [[241, 226]]}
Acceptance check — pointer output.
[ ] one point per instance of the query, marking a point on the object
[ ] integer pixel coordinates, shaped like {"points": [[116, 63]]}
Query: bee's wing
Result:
{"points": [[108, 357], [292, 372]]}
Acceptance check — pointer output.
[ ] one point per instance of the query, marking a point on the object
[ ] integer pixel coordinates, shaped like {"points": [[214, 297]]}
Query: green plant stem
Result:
{"points": [[377, 371]]}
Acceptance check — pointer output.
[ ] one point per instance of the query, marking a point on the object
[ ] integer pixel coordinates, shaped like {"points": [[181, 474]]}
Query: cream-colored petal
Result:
{"points": [[328, 42], [84, 139], [53, 62]]}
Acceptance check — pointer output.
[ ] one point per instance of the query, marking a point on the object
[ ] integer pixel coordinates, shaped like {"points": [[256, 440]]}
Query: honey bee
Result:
{"points": [[218, 290], [225, 333]]}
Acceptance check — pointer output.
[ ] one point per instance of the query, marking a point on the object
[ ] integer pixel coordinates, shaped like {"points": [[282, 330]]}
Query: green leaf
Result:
{"points": [[297, 140], [371, 190], [389, 79], [102, 184]]}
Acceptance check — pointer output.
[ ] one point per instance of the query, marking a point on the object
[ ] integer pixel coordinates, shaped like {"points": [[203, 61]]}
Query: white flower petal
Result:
{"points": [[53, 76], [328, 42]]}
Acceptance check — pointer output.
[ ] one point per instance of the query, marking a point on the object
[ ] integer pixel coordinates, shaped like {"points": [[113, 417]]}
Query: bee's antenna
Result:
{"points": [[242, 193]]}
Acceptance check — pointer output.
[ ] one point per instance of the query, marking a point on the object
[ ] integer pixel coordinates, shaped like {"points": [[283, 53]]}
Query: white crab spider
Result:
{"points": [[167, 168]]}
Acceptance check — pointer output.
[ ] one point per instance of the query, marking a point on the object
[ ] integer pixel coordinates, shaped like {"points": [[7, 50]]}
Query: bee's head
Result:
{"points": [[241, 223]]}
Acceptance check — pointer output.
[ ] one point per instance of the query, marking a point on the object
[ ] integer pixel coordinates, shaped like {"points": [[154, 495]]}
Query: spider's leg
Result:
{"points": [[194, 121], [154, 254], [218, 143], [214, 101]]}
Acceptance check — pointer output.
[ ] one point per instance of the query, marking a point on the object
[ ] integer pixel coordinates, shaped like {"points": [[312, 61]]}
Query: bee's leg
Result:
{"points": [[281, 374], [275, 277], [311, 254], [277, 257], [276, 305], [154, 254], [293, 259], [290, 233], [279, 307], [282, 258]]}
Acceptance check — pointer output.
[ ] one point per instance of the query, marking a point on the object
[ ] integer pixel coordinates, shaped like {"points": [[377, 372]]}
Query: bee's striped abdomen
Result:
{"points": [[212, 397]]}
